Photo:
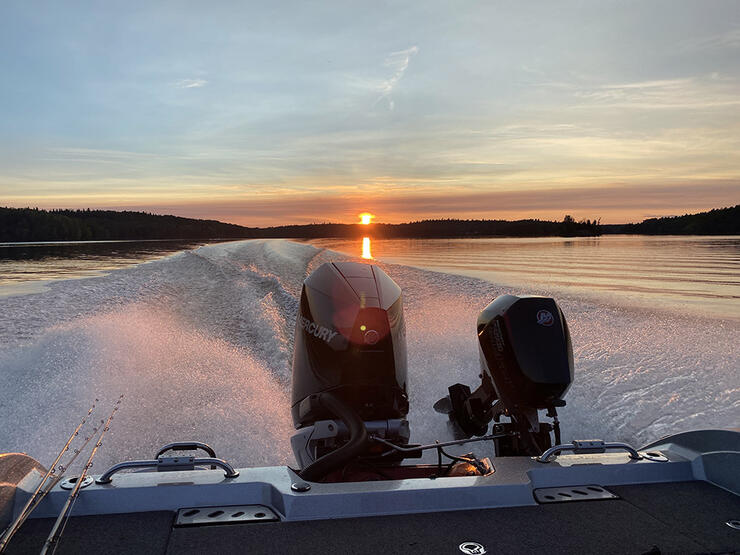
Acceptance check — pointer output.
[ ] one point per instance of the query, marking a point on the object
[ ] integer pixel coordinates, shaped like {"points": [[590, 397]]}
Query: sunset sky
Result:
{"points": [[264, 113]]}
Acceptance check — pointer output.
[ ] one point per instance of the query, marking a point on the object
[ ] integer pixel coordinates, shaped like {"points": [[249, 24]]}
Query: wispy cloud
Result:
{"points": [[191, 83], [398, 62], [728, 39], [711, 91]]}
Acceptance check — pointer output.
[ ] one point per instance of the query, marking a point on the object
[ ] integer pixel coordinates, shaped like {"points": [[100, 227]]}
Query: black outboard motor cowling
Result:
{"points": [[526, 365], [350, 358], [351, 340], [525, 348]]}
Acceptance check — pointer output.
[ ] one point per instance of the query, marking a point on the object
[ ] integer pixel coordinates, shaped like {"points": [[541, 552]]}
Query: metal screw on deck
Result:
{"points": [[300, 487]]}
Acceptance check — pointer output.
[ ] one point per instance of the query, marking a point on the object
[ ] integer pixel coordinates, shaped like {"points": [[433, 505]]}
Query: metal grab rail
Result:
{"points": [[580, 447], [169, 464], [186, 446]]}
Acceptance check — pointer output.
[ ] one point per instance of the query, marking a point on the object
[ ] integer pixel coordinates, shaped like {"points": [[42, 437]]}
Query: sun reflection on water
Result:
{"points": [[366, 248]]}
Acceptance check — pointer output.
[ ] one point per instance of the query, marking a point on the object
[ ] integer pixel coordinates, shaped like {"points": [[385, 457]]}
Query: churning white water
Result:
{"points": [[201, 342]]}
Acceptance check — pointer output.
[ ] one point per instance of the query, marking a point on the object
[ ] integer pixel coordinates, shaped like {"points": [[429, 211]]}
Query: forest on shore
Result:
{"points": [[720, 221], [34, 224]]}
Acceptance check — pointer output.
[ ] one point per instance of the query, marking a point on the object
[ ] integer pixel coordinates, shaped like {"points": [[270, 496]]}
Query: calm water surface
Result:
{"points": [[28, 267], [699, 275], [685, 273]]}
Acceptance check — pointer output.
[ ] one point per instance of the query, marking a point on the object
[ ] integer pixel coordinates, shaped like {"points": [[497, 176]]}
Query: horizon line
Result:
{"points": [[154, 212]]}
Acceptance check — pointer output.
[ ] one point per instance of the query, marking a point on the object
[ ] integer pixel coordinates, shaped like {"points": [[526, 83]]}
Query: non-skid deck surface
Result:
{"points": [[687, 517]]}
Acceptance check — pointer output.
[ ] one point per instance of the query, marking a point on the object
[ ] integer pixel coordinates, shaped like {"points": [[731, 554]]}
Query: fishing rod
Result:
{"points": [[62, 469], [37, 495], [23, 516], [56, 534]]}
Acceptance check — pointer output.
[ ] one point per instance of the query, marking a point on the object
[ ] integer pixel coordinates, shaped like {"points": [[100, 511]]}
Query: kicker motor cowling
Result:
{"points": [[526, 366], [525, 348], [349, 360]]}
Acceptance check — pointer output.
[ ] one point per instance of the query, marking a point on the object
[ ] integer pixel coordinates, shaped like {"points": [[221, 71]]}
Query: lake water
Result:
{"points": [[200, 340], [29, 267], [698, 275]]}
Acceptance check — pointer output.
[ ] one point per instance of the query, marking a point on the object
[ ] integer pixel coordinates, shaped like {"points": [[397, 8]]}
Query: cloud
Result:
{"points": [[398, 62], [712, 91], [728, 39], [191, 83]]}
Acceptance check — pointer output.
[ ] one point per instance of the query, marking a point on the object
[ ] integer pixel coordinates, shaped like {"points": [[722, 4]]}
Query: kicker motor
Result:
{"points": [[350, 401], [526, 365]]}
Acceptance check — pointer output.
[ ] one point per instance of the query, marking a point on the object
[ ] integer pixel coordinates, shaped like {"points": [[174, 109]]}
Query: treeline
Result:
{"points": [[569, 227], [33, 224], [428, 229], [720, 221]]}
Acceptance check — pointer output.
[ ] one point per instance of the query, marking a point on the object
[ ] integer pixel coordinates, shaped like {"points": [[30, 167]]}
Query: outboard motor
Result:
{"points": [[527, 365], [349, 366]]}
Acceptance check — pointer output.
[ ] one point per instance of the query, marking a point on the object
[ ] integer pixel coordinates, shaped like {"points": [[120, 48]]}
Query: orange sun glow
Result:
{"points": [[366, 218]]}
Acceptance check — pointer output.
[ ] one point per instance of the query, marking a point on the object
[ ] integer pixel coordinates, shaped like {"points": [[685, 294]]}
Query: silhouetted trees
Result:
{"points": [[720, 221], [33, 224], [571, 228]]}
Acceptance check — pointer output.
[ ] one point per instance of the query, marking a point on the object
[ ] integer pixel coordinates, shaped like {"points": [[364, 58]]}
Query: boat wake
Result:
{"points": [[201, 344]]}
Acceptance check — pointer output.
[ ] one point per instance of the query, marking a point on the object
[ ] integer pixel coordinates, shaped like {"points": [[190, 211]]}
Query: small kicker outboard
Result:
{"points": [[526, 366], [349, 366]]}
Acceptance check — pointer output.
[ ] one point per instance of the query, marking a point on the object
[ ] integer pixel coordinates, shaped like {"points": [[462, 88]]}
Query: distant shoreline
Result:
{"points": [[13, 244], [32, 225]]}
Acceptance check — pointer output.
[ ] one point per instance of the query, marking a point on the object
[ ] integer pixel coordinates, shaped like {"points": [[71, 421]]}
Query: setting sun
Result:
{"points": [[366, 218]]}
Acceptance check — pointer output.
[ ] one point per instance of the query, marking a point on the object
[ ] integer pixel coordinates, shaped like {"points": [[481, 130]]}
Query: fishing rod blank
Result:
{"points": [[56, 534], [33, 500], [43, 493], [62, 469]]}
